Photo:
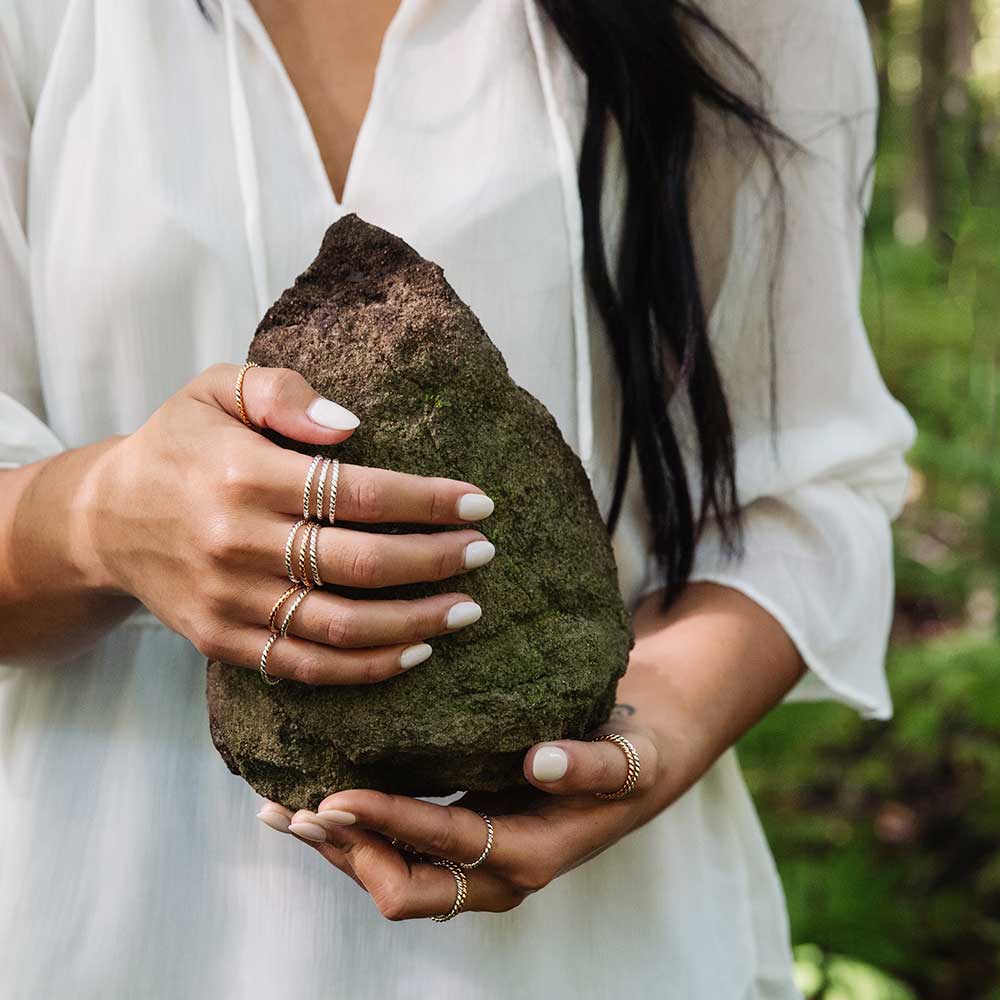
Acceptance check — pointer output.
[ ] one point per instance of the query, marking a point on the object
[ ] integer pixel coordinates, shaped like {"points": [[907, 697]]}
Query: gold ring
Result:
{"points": [[303, 551], [468, 866], [634, 765], [303, 594], [313, 565], [239, 393], [320, 486], [289, 544], [268, 679], [307, 489], [273, 616], [461, 890], [334, 481]]}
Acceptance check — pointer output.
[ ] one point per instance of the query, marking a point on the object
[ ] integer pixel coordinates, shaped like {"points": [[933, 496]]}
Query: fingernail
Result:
{"points": [[549, 764], [473, 506], [464, 613], [310, 831], [413, 655], [478, 554], [338, 816], [274, 819], [327, 413]]}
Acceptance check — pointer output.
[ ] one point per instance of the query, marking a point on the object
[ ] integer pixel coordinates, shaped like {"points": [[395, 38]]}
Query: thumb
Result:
{"points": [[575, 767], [278, 399]]}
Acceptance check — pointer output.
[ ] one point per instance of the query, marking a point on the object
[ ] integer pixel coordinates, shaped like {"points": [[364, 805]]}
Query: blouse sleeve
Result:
{"points": [[24, 436], [820, 485]]}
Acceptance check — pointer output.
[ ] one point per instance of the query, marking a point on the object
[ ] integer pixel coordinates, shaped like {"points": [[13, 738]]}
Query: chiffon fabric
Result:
{"points": [[159, 187]]}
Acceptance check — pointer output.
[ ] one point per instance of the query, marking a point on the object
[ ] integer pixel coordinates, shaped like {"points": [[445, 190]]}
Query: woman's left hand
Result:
{"points": [[568, 825]]}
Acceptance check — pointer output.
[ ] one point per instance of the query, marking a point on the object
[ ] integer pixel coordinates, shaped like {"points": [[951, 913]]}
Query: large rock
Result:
{"points": [[374, 325]]}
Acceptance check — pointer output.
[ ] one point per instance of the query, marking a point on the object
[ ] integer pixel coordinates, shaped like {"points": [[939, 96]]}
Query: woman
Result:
{"points": [[166, 171]]}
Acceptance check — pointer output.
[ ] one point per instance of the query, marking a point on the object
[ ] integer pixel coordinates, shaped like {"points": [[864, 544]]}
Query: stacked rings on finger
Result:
{"points": [[461, 890], [634, 765], [300, 593]]}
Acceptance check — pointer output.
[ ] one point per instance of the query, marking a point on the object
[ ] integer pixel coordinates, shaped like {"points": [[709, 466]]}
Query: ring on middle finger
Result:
{"points": [[289, 545]]}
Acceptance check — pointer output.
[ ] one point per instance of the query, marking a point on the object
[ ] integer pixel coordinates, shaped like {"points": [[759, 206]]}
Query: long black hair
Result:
{"points": [[646, 71]]}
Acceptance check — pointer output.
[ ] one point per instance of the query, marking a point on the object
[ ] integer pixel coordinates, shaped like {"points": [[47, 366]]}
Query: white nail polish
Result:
{"points": [[274, 819], [549, 764], [464, 613], [474, 506], [327, 413], [310, 831], [478, 554], [339, 817], [413, 655]]}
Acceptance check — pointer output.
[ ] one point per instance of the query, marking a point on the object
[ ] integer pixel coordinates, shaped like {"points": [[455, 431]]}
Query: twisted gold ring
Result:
{"points": [[461, 890], [289, 544], [307, 488], [468, 866], [268, 679], [334, 481], [634, 765], [239, 393]]}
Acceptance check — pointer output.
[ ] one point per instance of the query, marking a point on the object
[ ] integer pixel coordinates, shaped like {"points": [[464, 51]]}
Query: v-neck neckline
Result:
{"points": [[363, 140]]}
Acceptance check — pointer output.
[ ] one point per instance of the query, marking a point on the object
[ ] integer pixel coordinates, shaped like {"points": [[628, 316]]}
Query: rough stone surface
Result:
{"points": [[372, 324]]}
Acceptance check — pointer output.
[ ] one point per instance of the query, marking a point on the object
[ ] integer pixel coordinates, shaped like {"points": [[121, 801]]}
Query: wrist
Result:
{"points": [[90, 509]]}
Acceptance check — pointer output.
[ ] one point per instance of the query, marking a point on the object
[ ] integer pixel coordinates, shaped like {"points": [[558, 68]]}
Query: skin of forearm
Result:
{"points": [[53, 602], [701, 674]]}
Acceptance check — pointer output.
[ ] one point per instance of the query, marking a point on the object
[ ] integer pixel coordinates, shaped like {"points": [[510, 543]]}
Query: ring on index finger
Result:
{"points": [[240, 409]]}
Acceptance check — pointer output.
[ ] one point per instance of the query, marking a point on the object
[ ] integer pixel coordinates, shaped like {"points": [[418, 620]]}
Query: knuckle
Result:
{"points": [[341, 629], [366, 565], [367, 498], [221, 541], [208, 640], [443, 839], [279, 386], [448, 561], [235, 479], [308, 670], [371, 669], [531, 879], [391, 902]]}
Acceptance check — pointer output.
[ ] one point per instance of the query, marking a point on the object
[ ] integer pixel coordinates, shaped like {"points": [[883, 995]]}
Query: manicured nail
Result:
{"points": [[478, 554], [464, 613], [310, 831], [549, 764], [327, 413], [413, 655], [274, 819], [474, 506], [338, 816]]}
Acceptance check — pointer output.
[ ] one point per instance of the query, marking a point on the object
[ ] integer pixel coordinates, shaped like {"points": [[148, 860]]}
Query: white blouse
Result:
{"points": [[159, 187]]}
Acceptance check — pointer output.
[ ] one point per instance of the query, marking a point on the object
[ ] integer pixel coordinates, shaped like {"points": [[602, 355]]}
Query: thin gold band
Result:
{"points": [[293, 607], [268, 679], [239, 393], [307, 489]]}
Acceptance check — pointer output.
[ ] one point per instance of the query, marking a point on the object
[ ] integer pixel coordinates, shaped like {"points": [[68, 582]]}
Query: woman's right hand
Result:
{"points": [[191, 514]]}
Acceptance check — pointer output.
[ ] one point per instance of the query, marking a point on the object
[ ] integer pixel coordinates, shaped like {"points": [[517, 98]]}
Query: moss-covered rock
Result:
{"points": [[374, 325]]}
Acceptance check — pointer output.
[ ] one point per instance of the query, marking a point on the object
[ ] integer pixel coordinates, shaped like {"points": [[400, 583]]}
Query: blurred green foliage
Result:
{"points": [[887, 835]]}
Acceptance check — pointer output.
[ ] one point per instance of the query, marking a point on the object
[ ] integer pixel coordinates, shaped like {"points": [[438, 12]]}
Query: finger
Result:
{"points": [[312, 663], [404, 888], [368, 559], [349, 624], [278, 818], [442, 831], [573, 767], [367, 494], [277, 399]]}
